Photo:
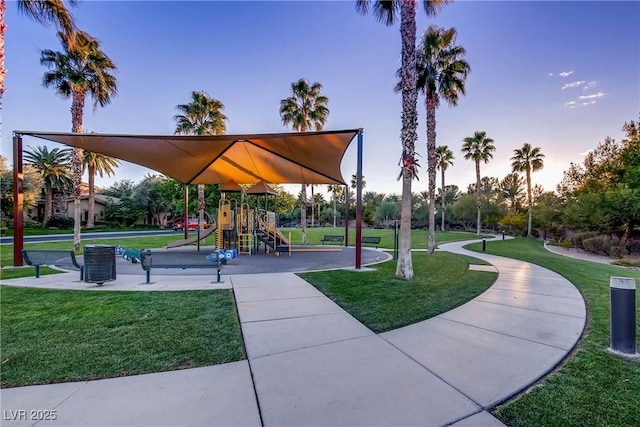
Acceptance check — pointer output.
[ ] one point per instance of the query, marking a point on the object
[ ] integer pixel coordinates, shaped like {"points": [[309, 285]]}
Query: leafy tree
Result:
{"points": [[146, 195], [478, 148], [630, 155], [81, 69], [32, 184], [304, 109], [337, 193], [44, 12], [202, 116], [124, 212], [100, 164], [386, 211], [548, 211], [53, 167], [444, 159], [528, 159], [120, 189]]}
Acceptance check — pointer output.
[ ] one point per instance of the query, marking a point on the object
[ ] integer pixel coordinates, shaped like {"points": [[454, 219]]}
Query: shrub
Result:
{"points": [[577, 240], [62, 222], [618, 251], [603, 245]]}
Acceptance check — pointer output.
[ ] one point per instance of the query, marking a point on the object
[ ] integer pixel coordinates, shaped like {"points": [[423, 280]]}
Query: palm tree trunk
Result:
{"points": [[442, 201], [303, 213], [334, 208], [313, 204], [431, 167], [48, 206], [478, 200], [404, 268], [92, 196], [201, 207], [530, 202], [77, 107]]}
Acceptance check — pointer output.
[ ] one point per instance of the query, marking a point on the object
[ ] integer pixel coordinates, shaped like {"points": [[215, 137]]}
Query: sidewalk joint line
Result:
{"points": [[527, 308]]}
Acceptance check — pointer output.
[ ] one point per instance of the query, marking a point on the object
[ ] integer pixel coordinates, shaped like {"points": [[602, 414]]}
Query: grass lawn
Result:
{"points": [[593, 387], [382, 302], [419, 239], [53, 336]]}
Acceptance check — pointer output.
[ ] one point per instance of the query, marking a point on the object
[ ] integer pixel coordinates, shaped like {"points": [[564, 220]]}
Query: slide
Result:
{"points": [[207, 232]]}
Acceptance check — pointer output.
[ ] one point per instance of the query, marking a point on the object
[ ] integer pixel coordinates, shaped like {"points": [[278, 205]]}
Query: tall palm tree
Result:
{"points": [[336, 191], [387, 12], [304, 109], [528, 159], [442, 73], [478, 148], [53, 167], [511, 188], [444, 159], [77, 71], [202, 116], [44, 12], [100, 164]]}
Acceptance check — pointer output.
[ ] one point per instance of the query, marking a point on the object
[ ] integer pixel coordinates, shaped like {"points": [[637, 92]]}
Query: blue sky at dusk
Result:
{"points": [[559, 75]]}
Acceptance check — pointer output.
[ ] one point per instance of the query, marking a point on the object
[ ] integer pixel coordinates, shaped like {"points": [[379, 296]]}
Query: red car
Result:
{"points": [[192, 224]]}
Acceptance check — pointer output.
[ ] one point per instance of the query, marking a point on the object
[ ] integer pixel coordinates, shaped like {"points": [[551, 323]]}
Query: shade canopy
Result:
{"points": [[281, 158]]}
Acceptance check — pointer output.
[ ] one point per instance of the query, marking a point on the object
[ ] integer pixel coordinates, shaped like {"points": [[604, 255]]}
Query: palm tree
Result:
{"points": [[528, 159], [53, 167], [76, 72], [100, 164], [387, 12], [44, 12], [478, 148], [511, 188], [442, 73], [444, 159], [336, 191], [304, 109], [202, 116]]}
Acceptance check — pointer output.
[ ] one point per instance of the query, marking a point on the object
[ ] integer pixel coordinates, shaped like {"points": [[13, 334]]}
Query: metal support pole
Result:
{"points": [[185, 218], [395, 240], [359, 204], [18, 198], [346, 216], [623, 316]]}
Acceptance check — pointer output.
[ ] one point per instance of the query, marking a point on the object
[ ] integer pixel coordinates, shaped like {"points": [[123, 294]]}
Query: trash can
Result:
{"points": [[99, 263]]}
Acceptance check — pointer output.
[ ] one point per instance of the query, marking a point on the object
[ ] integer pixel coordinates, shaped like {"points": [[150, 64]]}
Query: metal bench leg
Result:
{"points": [[148, 275], [82, 273]]}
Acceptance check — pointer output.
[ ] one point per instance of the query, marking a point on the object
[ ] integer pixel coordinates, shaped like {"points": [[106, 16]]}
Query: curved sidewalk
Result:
{"points": [[311, 363]]}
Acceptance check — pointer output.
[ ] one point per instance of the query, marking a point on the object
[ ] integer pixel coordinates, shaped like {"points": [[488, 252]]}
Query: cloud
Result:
{"points": [[574, 84], [588, 103], [566, 73], [570, 103], [550, 74], [592, 96], [589, 85]]}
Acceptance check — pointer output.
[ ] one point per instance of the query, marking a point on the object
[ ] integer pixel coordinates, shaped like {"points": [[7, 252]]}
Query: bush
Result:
{"points": [[27, 223], [62, 222], [578, 239], [618, 251], [604, 245]]}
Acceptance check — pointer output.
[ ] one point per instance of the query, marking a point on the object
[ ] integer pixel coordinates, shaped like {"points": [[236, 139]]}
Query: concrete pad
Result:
{"points": [[277, 291], [488, 367], [17, 403], [551, 304], [480, 267], [556, 330], [213, 395], [359, 382], [277, 336], [253, 311], [481, 419]]}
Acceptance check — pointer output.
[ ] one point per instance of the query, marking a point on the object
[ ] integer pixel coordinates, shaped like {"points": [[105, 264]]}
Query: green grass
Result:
{"points": [[53, 336], [382, 302], [419, 238], [593, 387]]}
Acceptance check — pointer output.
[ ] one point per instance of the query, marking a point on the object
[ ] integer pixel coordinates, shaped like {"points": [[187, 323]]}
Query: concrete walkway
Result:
{"points": [[312, 364]]}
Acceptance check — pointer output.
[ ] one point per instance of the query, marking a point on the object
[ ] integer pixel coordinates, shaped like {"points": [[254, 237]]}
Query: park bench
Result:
{"points": [[182, 260], [371, 240], [38, 257], [328, 238]]}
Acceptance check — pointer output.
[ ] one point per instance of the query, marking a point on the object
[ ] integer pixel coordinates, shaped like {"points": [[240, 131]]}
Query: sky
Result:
{"points": [[561, 76]]}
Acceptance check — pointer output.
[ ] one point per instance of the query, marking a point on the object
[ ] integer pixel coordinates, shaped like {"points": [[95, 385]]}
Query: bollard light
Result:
{"points": [[623, 316], [484, 244]]}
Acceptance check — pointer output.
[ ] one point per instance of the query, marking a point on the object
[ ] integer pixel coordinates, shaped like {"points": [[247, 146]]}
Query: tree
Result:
{"points": [[478, 148], [53, 167], [100, 164], [32, 184], [528, 159], [386, 210], [444, 159], [442, 73], [387, 12], [512, 187], [81, 69], [337, 191], [148, 194], [43, 12], [304, 109], [202, 116]]}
